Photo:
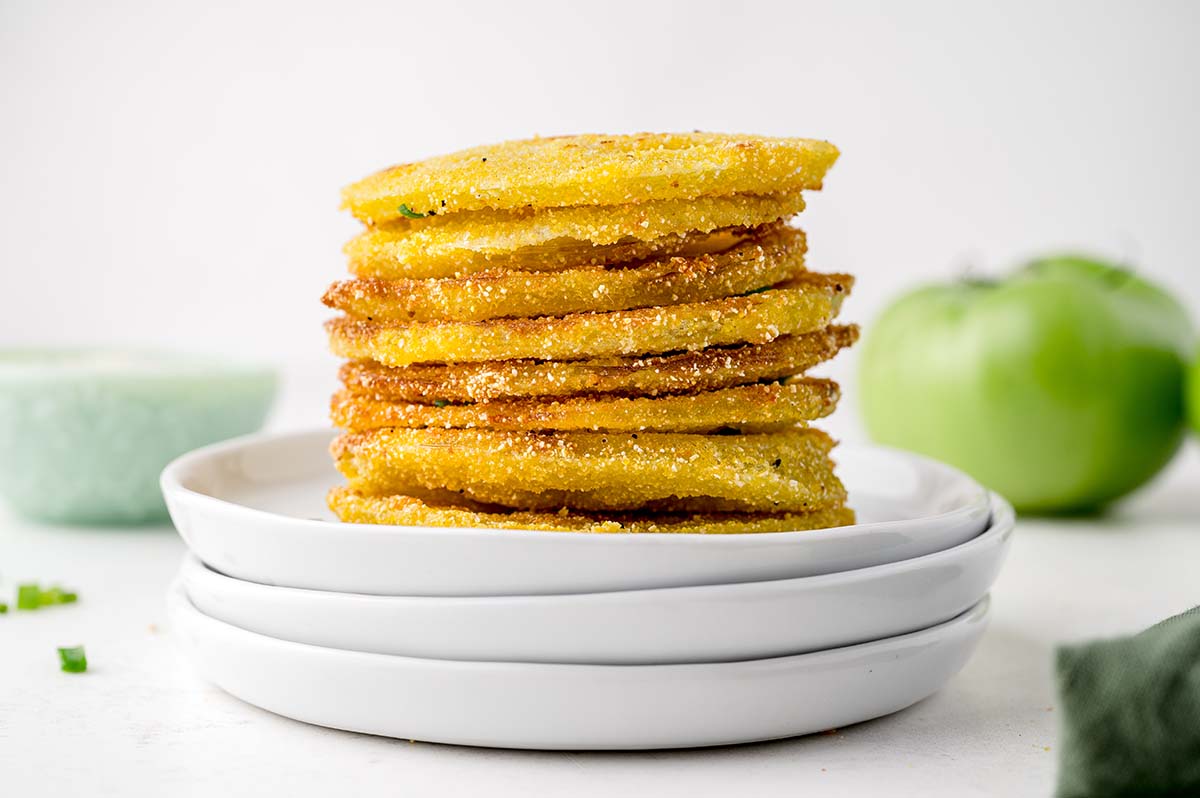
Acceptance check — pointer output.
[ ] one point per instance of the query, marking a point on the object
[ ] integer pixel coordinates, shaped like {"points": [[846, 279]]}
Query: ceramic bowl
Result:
{"points": [[86, 433]]}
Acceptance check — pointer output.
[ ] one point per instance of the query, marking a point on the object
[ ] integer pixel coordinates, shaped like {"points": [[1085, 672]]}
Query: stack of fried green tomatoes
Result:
{"points": [[589, 333]]}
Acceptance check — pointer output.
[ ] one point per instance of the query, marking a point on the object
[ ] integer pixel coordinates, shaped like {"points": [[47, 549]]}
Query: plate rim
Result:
{"points": [[1001, 524], [173, 488], [980, 612]]}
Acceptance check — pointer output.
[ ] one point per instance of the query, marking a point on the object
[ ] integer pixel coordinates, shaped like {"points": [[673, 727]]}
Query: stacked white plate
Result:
{"points": [[527, 639]]}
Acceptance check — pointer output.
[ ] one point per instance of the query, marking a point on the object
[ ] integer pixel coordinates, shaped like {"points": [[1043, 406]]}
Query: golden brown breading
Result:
{"points": [[806, 304], [553, 239], [369, 258], [686, 372], [353, 507], [749, 408], [777, 472], [591, 169], [775, 257]]}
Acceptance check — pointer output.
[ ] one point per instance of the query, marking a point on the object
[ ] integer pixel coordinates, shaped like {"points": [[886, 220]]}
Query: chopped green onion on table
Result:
{"points": [[73, 659]]}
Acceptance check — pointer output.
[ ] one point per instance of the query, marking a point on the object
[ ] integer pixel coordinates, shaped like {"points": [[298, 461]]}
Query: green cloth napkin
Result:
{"points": [[1131, 713]]}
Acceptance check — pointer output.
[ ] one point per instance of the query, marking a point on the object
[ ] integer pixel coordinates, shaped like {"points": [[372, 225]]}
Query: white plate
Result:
{"points": [[748, 620], [523, 705], [254, 508]]}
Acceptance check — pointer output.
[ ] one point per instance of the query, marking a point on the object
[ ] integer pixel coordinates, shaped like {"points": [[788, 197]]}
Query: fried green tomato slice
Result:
{"points": [[748, 408], [777, 472], [658, 375], [355, 508], [591, 169], [774, 258], [554, 239], [553, 257], [808, 303]]}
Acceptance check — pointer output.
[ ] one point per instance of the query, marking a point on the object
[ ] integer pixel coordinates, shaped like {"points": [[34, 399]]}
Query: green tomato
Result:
{"points": [[1193, 394], [1060, 387]]}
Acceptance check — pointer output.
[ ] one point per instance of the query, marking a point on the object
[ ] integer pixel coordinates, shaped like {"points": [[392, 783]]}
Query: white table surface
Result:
{"points": [[140, 722]]}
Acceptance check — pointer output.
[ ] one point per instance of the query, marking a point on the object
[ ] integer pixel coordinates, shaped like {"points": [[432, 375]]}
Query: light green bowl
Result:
{"points": [[84, 434]]}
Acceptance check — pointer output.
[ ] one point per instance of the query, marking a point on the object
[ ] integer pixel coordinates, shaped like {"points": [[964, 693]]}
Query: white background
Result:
{"points": [[169, 176], [169, 172]]}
